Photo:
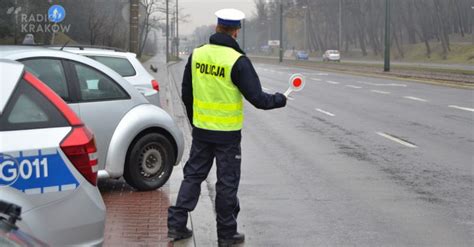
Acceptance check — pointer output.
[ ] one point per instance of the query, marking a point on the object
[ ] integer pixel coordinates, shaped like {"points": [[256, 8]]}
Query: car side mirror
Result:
{"points": [[153, 68]]}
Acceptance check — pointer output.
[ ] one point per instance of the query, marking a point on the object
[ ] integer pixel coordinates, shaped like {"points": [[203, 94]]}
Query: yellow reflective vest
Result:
{"points": [[217, 102]]}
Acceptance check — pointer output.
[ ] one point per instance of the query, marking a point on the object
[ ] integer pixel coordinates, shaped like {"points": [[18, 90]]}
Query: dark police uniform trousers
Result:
{"points": [[228, 160]]}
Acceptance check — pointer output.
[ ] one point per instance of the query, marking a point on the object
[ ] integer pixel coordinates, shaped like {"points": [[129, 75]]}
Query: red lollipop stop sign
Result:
{"points": [[296, 84]]}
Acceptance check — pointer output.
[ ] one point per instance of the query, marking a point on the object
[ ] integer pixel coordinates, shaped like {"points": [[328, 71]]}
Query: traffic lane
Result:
{"points": [[438, 170], [439, 94], [385, 106], [414, 64], [341, 151], [299, 189], [448, 119]]}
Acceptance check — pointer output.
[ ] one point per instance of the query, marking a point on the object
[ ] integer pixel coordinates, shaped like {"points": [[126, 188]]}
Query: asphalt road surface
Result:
{"points": [[380, 62], [357, 161]]}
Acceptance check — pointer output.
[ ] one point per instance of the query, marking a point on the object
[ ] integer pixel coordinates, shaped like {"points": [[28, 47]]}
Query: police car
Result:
{"points": [[48, 162]]}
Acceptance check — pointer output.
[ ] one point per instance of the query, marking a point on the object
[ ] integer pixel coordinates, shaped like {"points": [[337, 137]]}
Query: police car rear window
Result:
{"points": [[29, 109], [119, 65]]}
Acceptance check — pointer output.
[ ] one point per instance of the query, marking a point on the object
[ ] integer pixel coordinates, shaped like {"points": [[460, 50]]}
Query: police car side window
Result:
{"points": [[29, 109], [95, 86]]}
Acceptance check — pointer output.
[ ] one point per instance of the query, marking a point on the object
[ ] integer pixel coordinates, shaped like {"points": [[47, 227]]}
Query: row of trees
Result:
{"points": [[314, 24], [94, 22]]}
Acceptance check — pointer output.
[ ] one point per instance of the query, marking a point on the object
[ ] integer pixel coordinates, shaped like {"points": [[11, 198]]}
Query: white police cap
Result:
{"points": [[229, 17]]}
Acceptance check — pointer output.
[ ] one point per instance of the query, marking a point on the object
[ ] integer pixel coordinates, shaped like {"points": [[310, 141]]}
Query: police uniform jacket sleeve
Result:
{"points": [[246, 79], [187, 90]]}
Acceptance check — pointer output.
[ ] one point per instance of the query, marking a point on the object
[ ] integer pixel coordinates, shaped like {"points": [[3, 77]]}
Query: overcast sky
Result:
{"points": [[202, 11]]}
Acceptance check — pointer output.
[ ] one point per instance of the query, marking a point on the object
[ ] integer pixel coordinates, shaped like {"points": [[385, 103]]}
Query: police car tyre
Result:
{"points": [[149, 162]]}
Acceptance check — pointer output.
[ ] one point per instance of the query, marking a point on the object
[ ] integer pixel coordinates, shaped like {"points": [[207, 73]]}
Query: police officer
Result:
{"points": [[216, 77]]}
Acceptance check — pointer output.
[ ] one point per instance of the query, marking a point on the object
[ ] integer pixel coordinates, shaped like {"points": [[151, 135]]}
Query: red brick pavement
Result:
{"points": [[135, 218]]}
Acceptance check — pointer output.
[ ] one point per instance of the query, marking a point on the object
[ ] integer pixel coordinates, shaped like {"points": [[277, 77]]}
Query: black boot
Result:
{"points": [[238, 238], [178, 234]]}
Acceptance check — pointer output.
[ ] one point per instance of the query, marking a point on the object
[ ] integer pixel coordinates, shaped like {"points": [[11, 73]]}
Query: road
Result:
{"points": [[396, 63], [357, 161], [415, 64]]}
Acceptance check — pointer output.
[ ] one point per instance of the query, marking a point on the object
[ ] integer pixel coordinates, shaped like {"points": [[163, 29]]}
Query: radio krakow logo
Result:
{"points": [[45, 23]]}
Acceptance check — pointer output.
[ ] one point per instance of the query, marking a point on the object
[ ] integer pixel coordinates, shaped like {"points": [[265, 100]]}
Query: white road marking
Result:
{"points": [[415, 98], [266, 89], [315, 79], [397, 140], [381, 92], [325, 112], [322, 74], [382, 84], [290, 98], [462, 108], [352, 86], [333, 82]]}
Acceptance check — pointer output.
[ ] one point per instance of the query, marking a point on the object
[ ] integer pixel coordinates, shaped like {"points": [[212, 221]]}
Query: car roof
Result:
{"points": [[22, 52], [10, 72], [98, 51]]}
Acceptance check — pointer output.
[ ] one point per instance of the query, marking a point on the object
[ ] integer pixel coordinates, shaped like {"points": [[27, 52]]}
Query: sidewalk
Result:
{"points": [[202, 219]]}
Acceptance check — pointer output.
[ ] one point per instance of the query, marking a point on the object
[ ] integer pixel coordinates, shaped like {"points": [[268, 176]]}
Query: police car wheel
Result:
{"points": [[149, 162]]}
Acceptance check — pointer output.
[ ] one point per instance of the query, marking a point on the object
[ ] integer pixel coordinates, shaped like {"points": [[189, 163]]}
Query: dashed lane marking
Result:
{"points": [[462, 108], [352, 86], [397, 140], [382, 84], [315, 79], [333, 82], [325, 112], [380, 92], [415, 98]]}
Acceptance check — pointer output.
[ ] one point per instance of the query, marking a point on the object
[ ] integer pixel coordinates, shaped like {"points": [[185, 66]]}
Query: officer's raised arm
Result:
{"points": [[246, 79]]}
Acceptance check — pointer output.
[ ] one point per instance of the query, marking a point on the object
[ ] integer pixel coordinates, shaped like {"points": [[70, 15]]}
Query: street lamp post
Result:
{"points": [[167, 31], [281, 32], [305, 27], [177, 33], [472, 28], [386, 67], [339, 40]]}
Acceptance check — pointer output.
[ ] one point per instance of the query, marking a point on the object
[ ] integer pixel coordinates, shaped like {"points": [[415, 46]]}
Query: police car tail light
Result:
{"points": [[79, 146], [155, 85]]}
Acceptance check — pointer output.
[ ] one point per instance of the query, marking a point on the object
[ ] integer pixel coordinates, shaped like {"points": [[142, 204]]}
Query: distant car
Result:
{"points": [[135, 139], [332, 55], [123, 62], [302, 55], [48, 162]]}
